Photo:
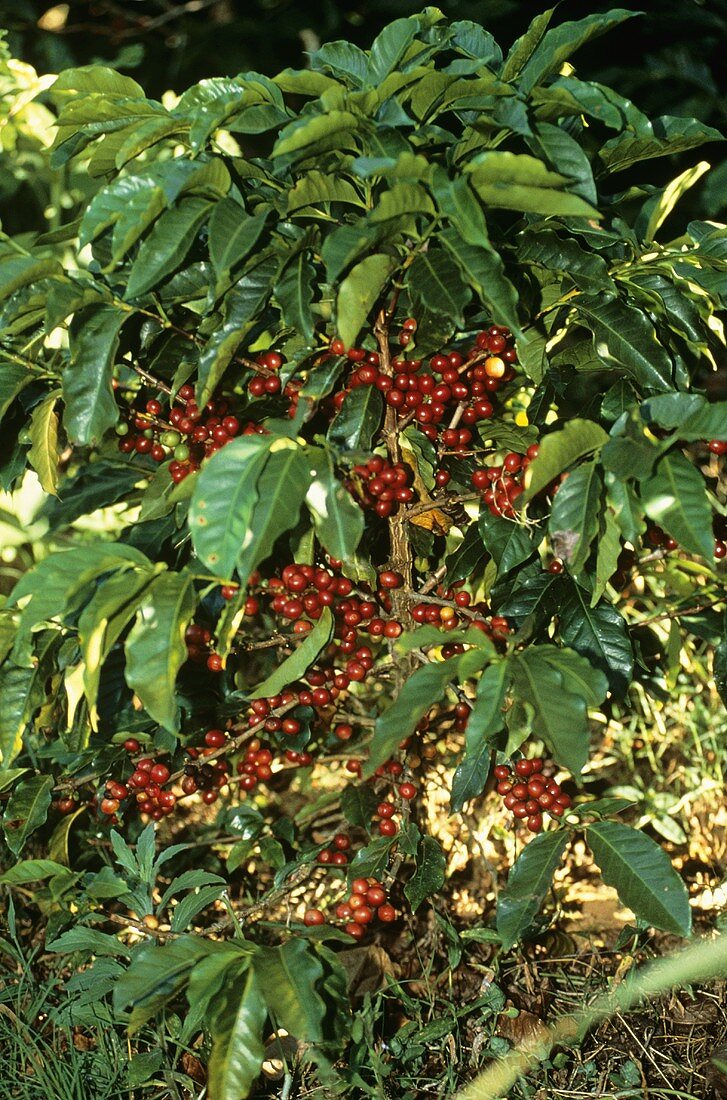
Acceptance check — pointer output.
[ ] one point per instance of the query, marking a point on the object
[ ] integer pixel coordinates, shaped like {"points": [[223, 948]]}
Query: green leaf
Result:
{"points": [[26, 810], [32, 870], [90, 941], [167, 245], [600, 634], [294, 667], [16, 691], [372, 860], [566, 156], [642, 875], [13, 379], [675, 497], [156, 974], [388, 48], [533, 601], [294, 293], [558, 686], [486, 720], [561, 449], [625, 341], [663, 137], [358, 420], [243, 304], [342, 59], [288, 977], [102, 622], [315, 188], [560, 43], [358, 804], [481, 266], [339, 521], [90, 406], [517, 181], [457, 201], [224, 498], [608, 550], [237, 1047], [545, 248], [509, 543], [232, 234], [528, 884], [524, 47], [418, 693], [19, 271], [690, 413], [281, 487], [43, 450], [315, 133], [575, 515], [428, 878], [435, 282], [359, 292], [155, 647]]}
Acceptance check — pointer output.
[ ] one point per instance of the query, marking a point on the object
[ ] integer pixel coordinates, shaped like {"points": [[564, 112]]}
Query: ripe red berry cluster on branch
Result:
{"points": [[501, 485], [381, 486], [366, 903], [527, 791]]}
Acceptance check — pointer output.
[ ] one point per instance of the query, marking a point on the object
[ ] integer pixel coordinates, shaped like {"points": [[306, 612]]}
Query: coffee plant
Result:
{"points": [[394, 391]]}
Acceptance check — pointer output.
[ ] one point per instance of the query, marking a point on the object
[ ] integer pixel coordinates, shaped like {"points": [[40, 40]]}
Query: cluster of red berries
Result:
{"points": [[270, 384], [367, 902], [502, 485], [456, 388], [379, 485], [464, 612], [146, 783], [183, 431], [659, 538], [527, 791]]}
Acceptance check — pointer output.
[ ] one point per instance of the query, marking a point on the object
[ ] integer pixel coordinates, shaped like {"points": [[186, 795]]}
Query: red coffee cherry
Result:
{"points": [[131, 745], [313, 917], [342, 842], [376, 896], [535, 823], [387, 827], [524, 767], [158, 772], [386, 913], [407, 791], [355, 929], [502, 771], [390, 579]]}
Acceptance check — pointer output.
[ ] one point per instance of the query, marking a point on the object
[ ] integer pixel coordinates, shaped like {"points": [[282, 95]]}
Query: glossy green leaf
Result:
{"points": [[156, 974], [90, 407], [675, 497], [608, 550], [664, 137], [232, 234], [575, 513], [43, 451], [560, 43], [294, 667], [642, 874], [13, 379], [428, 878], [338, 520], [315, 133], [282, 486], [358, 420], [155, 647], [110, 610], [32, 870], [288, 977], [625, 340], [418, 693], [600, 634], [237, 1047], [359, 292], [26, 810], [545, 248], [482, 268], [694, 417], [224, 499], [294, 293], [528, 883], [242, 305], [434, 280], [517, 181], [167, 244], [565, 155], [559, 450], [509, 543], [558, 687], [315, 188], [524, 47], [486, 720]]}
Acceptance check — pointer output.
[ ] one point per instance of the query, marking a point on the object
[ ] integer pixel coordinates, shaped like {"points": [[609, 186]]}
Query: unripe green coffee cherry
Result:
{"points": [[171, 439], [122, 428], [181, 453]]}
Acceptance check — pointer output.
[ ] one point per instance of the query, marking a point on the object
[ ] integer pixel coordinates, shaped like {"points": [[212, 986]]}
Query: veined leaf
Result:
{"points": [[357, 421], [600, 634], [294, 667], [167, 245], [359, 292], [516, 181], [26, 810], [641, 873], [561, 449], [90, 407], [675, 497], [232, 234], [237, 1047], [43, 451], [575, 513], [282, 485], [528, 883], [338, 520], [428, 877], [625, 340], [155, 648], [486, 719]]}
